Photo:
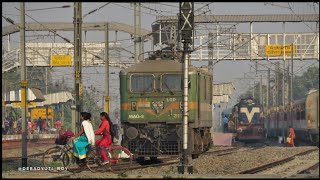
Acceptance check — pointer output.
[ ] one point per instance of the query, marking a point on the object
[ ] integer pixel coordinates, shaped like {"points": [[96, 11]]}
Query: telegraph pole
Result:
{"points": [[23, 85], [77, 61], [106, 57], [186, 25]]}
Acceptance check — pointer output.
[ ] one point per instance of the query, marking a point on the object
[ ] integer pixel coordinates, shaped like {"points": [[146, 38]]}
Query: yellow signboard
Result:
{"points": [[61, 60], [41, 112], [277, 50]]}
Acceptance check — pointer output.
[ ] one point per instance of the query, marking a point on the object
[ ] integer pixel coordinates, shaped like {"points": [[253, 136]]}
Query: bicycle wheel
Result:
{"points": [[94, 161], [121, 159], [70, 162], [53, 159]]}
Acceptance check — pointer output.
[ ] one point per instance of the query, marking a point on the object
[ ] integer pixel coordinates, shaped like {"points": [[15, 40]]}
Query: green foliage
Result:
{"points": [[308, 80]]}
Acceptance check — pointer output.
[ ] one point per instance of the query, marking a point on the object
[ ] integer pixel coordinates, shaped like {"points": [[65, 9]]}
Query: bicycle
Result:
{"points": [[120, 158], [57, 158]]}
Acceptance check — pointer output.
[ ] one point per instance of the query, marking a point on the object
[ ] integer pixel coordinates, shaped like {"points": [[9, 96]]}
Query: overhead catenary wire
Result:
{"points": [[95, 10], [64, 6]]}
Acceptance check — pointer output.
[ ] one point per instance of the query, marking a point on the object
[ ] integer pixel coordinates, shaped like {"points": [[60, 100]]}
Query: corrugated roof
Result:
{"points": [[50, 99], [33, 95]]}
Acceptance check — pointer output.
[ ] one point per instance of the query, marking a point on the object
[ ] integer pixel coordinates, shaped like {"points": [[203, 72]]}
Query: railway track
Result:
{"points": [[174, 160], [275, 163], [313, 167], [135, 165], [10, 159], [12, 144]]}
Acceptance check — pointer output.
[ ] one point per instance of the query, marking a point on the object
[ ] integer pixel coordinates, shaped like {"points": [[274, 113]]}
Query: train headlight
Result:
{"points": [[131, 133]]}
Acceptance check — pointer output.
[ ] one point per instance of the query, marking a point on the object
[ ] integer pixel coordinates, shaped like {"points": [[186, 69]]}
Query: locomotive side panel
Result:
{"points": [[312, 116]]}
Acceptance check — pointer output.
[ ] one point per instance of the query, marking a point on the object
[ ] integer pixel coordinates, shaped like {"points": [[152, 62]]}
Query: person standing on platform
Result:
{"points": [[225, 124], [29, 126], [57, 124], [39, 125], [6, 126], [14, 127]]}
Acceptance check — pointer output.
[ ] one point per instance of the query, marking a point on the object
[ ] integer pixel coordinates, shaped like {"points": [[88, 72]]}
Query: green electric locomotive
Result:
{"points": [[151, 107]]}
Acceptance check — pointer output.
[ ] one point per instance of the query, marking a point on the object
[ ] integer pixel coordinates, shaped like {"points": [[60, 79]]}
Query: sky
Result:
{"points": [[224, 71]]}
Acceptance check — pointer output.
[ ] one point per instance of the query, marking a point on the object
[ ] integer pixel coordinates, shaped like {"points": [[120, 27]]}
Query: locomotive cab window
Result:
{"points": [[171, 82], [142, 83]]}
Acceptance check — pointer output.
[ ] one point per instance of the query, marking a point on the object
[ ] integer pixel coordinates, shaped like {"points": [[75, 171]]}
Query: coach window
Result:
{"points": [[303, 115], [142, 83], [298, 115], [285, 116]]}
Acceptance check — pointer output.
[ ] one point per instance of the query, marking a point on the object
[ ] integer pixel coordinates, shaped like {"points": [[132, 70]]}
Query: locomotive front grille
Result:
{"points": [[148, 149]]}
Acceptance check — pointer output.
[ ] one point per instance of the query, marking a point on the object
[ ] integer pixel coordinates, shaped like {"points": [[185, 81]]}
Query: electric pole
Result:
{"points": [[283, 78], [62, 105], [291, 85], [23, 85], [210, 67], [283, 97], [210, 53], [260, 92], [268, 100], [4, 90], [186, 26], [137, 33], [276, 122], [78, 61], [106, 57]]}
